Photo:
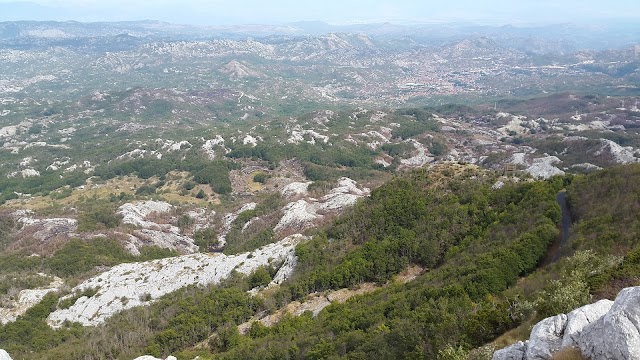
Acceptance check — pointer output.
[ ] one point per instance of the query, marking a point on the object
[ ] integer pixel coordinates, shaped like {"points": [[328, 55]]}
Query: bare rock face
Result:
{"points": [[546, 338], [542, 168], [162, 235], [295, 189], [149, 357], [47, 229], [616, 335], [621, 155], [136, 284], [135, 213], [304, 213], [579, 318], [27, 299], [4, 355], [513, 352]]}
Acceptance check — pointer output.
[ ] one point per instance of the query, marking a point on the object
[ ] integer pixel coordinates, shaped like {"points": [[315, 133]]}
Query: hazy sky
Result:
{"points": [[212, 12]]}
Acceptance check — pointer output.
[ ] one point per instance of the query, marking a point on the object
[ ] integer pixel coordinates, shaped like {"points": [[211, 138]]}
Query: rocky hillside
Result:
{"points": [[170, 192]]}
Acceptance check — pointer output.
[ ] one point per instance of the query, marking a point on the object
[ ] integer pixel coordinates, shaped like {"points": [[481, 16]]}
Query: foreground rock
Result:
{"points": [[603, 330], [616, 335], [546, 337], [516, 351], [4, 355], [579, 318], [129, 285]]}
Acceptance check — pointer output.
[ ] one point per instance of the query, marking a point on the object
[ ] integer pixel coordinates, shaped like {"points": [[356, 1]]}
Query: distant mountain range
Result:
{"points": [[561, 38]]}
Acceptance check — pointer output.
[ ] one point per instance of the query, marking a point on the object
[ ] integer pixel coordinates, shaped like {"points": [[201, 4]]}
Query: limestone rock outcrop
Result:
{"points": [[607, 330], [514, 352], [546, 338], [4, 355], [304, 213], [579, 318], [136, 284], [616, 335]]}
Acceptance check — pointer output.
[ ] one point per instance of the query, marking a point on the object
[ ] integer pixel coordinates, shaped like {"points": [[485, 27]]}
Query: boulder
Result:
{"points": [[4, 355], [615, 335], [604, 330], [579, 318], [546, 338], [516, 351]]}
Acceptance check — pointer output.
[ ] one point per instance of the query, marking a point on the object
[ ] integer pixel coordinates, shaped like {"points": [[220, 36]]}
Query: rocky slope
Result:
{"points": [[129, 285], [603, 330], [28, 298]]}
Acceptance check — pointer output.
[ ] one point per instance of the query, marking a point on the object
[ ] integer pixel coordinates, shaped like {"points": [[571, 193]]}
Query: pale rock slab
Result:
{"points": [[304, 213], [45, 229], [620, 154], [27, 299], [514, 352], [546, 338], [295, 189], [542, 168], [616, 335], [129, 285], [579, 318], [4, 355]]}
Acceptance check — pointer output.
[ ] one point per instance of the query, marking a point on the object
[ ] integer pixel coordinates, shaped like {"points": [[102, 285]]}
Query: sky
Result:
{"points": [[225, 12]]}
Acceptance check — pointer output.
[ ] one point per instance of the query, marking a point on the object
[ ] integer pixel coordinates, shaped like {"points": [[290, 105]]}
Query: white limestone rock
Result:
{"points": [[27, 299], [135, 213], [229, 219], [298, 136], [250, 140], [298, 215], [135, 284], [546, 338], [165, 240], [518, 159], [4, 355], [542, 168], [173, 147], [421, 158], [45, 229], [616, 335], [149, 357], [26, 173], [304, 213], [514, 352], [579, 318], [295, 189], [209, 146], [621, 155], [586, 166]]}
